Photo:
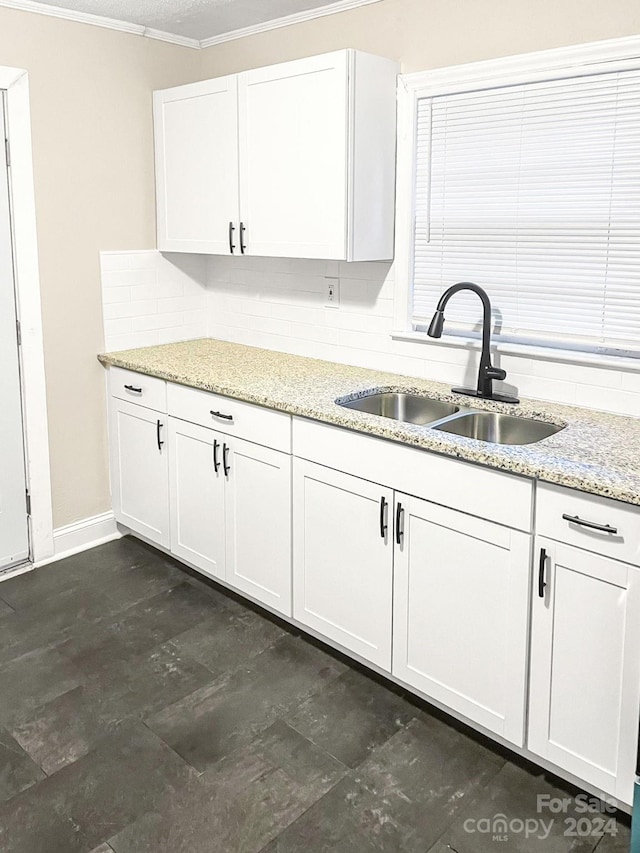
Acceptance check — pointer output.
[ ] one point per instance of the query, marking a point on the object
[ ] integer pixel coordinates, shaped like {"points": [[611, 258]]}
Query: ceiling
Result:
{"points": [[200, 20]]}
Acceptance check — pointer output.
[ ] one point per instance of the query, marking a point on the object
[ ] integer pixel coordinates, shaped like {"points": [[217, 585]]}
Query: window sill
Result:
{"points": [[610, 362]]}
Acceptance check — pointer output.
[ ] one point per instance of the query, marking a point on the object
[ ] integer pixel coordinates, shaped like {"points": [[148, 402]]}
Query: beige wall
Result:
{"points": [[93, 157], [93, 169], [425, 34]]}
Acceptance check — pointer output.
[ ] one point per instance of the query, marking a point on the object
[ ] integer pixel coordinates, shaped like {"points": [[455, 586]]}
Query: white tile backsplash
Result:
{"points": [[149, 298], [279, 303]]}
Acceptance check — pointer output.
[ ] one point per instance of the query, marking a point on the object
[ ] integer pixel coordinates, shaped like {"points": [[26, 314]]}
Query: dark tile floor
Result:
{"points": [[143, 710]]}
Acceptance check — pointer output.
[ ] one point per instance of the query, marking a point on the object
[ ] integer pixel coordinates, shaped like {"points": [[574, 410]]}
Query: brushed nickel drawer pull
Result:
{"points": [[592, 525]]}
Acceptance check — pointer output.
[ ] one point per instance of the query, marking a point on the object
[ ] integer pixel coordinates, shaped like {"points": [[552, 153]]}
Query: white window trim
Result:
{"points": [[541, 65], [16, 83]]}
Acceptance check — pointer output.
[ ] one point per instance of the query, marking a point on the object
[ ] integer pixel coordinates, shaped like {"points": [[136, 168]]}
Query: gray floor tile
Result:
{"points": [[302, 760], [215, 720], [129, 773], [105, 642], [400, 799], [144, 580], [620, 842], [241, 803], [63, 730], [17, 770], [33, 680], [513, 794], [36, 586], [29, 630], [352, 716], [86, 569], [235, 636], [140, 627], [56, 616]]}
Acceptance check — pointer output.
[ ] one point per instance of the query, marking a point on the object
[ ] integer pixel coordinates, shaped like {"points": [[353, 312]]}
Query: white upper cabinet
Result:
{"points": [[307, 147], [196, 138]]}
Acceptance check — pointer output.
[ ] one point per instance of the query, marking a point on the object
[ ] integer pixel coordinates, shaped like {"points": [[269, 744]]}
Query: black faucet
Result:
{"points": [[486, 372]]}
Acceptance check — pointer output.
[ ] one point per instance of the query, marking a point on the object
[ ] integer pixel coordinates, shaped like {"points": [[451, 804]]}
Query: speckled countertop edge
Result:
{"points": [[596, 452]]}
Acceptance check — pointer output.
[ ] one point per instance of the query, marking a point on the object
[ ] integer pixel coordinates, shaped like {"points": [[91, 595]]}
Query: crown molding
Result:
{"points": [[172, 38], [98, 21], [286, 21]]}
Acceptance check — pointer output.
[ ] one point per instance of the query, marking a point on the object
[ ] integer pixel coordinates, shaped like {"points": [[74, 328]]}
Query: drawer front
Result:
{"points": [[233, 417], [596, 524], [497, 496], [138, 388]]}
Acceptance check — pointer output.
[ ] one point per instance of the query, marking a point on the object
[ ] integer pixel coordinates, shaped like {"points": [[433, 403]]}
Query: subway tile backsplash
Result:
{"points": [[148, 298], [279, 303]]}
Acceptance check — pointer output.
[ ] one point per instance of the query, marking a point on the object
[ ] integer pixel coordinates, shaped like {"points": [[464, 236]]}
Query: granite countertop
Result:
{"points": [[596, 452]]}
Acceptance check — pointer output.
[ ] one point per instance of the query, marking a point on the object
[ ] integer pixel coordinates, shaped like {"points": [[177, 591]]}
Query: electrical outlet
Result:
{"points": [[332, 292]]}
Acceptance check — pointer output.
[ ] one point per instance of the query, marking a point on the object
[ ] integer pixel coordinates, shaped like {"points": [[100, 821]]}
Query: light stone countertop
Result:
{"points": [[597, 452]]}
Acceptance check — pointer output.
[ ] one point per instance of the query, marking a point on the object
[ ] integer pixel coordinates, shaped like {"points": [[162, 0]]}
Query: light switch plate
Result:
{"points": [[332, 292]]}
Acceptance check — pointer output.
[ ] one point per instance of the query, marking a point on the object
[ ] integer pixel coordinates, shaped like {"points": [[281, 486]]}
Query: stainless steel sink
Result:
{"points": [[498, 429], [410, 408]]}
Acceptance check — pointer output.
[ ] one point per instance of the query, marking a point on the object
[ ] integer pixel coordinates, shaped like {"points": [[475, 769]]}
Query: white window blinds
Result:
{"points": [[533, 192]]}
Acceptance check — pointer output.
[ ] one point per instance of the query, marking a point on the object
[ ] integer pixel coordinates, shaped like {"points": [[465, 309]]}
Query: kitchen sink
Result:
{"points": [[497, 428], [410, 408]]}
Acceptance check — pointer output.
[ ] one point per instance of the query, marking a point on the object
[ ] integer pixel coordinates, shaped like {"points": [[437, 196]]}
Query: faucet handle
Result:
{"points": [[496, 372]]}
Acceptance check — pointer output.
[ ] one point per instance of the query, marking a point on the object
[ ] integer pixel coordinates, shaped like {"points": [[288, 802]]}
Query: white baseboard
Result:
{"points": [[81, 535]]}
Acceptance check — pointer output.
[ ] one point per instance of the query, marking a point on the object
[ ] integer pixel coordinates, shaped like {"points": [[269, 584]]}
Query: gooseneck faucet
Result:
{"points": [[486, 372]]}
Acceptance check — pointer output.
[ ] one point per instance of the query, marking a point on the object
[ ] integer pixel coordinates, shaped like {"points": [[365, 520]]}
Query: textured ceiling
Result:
{"points": [[198, 19]]}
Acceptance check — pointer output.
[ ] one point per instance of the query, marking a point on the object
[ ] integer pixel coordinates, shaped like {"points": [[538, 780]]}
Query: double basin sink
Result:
{"points": [[447, 417]]}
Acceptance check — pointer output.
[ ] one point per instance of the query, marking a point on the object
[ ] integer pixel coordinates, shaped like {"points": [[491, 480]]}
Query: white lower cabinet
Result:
{"points": [[440, 598], [197, 500], [258, 523], [231, 511], [140, 472], [343, 559], [585, 666], [461, 594]]}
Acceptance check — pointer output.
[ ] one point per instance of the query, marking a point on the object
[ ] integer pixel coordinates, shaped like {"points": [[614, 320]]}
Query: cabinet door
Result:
{"points": [[258, 523], [585, 667], [196, 142], [461, 594], [139, 470], [197, 496], [343, 559], [293, 157]]}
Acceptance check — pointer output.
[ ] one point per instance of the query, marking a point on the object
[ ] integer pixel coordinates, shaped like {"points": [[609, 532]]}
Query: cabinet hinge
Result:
{"points": [[18, 333], [28, 497], [7, 151]]}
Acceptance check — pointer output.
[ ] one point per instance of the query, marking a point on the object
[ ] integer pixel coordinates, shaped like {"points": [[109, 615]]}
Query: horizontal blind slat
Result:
{"points": [[531, 190]]}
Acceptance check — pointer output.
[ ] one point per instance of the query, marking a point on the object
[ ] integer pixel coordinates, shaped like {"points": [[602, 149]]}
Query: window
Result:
{"points": [[530, 187]]}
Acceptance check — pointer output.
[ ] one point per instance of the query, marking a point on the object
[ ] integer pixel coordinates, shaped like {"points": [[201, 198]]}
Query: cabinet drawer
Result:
{"points": [[495, 495], [262, 426], [138, 388], [616, 531]]}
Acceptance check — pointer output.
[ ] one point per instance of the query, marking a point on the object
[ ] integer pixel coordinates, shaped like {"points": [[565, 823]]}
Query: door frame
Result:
{"points": [[15, 82]]}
